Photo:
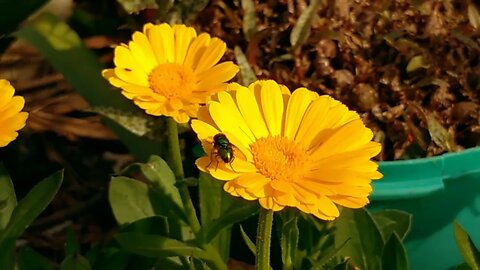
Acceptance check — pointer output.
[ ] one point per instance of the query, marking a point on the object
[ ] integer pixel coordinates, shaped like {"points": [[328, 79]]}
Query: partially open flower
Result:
{"points": [[170, 71], [12, 118], [298, 150]]}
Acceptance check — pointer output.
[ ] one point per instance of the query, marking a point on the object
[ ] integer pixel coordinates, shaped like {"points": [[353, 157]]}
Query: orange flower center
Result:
{"points": [[279, 158], [172, 80]]}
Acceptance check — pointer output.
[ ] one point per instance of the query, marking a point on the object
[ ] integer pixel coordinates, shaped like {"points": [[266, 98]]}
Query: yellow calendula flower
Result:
{"points": [[169, 70], [287, 150], [12, 118]]}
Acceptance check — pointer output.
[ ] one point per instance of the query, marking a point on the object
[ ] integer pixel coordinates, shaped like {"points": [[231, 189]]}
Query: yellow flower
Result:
{"points": [[299, 150], [12, 118], [169, 70]]}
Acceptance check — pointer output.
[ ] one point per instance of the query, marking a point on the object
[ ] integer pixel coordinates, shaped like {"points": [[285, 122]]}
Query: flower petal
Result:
{"points": [[272, 106], [248, 107]]}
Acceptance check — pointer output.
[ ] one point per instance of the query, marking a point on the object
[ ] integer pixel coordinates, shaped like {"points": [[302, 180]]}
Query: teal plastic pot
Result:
{"points": [[436, 191]]}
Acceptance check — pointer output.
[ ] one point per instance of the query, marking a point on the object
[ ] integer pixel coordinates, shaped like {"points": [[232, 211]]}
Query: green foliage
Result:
{"points": [[394, 255], [24, 214], [32, 260], [249, 25], [289, 237], [75, 262], [301, 30], [213, 203], [358, 239], [246, 72], [470, 253], [61, 46], [130, 199], [237, 212], [8, 200], [365, 241], [13, 15]]}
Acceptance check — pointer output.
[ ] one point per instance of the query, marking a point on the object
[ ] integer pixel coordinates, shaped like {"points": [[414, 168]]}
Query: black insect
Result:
{"points": [[222, 149]]}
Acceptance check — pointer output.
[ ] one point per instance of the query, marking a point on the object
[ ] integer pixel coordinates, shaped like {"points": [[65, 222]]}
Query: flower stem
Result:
{"points": [[177, 167], [264, 236]]}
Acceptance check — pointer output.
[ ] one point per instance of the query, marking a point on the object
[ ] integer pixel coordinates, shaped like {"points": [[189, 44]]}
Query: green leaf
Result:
{"points": [[394, 255], [71, 245], [149, 225], [12, 15], [157, 171], [246, 72], [135, 6], [157, 246], [393, 221], [163, 190], [80, 66], [108, 258], [189, 9], [213, 202], [416, 62], [32, 205], [237, 212], [130, 200], [439, 133], [302, 28], [473, 16], [136, 122], [330, 253], [82, 70], [75, 262], [289, 238], [7, 254], [469, 252], [250, 244], [249, 25], [365, 242], [8, 200], [29, 259]]}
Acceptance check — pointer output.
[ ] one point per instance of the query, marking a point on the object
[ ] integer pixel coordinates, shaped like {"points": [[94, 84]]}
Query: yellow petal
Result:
{"points": [[248, 107], [14, 107], [218, 74], [296, 108], [269, 203], [211, 55], [124, 59], [144, 52], [272, 106], [350, 202], [251, 181], [196, 50], [228, 104], [183, 37], [132, 76], [203, 130], [326, 207], [16, 122], [6, 92], [225, 121], [156, 41], [165, 32], [7, 137], [346, 138], [216, 168]]}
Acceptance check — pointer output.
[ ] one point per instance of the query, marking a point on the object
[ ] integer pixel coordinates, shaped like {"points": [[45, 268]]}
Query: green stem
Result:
{"points": [[264, 237], [174, 146], [177, 167]]}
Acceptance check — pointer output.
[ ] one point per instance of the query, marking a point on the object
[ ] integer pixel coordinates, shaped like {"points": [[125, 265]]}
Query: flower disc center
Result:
{"points": [[279, 158], [172, 80]]}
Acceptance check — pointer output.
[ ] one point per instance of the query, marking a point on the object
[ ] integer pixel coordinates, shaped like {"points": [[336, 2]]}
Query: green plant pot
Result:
{"points": [[436, 191]]}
